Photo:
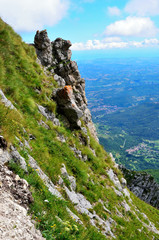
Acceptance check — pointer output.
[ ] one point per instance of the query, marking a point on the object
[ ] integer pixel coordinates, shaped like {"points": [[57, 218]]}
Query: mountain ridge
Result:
{"points": [[78, 190]]}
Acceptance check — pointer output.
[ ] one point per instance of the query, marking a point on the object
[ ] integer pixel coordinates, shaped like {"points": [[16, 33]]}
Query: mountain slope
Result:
{"points": [[49, 140]]}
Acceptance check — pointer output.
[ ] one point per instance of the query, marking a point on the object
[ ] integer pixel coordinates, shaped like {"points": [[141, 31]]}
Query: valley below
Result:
{"points": [[123, 96]]}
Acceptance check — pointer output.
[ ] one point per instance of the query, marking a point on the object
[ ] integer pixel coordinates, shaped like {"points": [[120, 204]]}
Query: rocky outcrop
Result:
{"points": [[142, 185], [48, 115], [43, 48], [70, 96], [18, 187], [14, 199], [5, 101], [6, 156], [67, 105]]}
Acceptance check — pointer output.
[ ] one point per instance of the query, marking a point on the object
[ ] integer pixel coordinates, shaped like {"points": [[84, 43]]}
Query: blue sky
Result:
{"points": [[106, 28]]}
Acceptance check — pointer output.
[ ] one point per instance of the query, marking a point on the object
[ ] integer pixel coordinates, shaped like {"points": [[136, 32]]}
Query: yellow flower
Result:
{"points": [[53, 225]]}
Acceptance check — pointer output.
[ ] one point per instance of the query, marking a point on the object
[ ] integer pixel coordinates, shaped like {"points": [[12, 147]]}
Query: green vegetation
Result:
{"points": [[140, 121], [20, 77], [131, 135]]}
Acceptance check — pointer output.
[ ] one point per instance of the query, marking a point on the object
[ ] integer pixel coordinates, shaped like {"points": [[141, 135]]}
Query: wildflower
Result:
{"points": [[53, 226]]}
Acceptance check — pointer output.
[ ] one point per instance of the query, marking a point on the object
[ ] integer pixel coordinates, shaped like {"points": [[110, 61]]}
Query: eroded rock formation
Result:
{"points": [[70, 96]]}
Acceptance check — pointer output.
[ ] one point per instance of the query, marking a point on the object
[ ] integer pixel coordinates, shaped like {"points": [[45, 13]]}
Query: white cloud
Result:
{"points": [[103, 44], [132, 26], [30, 15], [112, 39], [143, 7], [97, 44], [114, 11], [151, 42]]}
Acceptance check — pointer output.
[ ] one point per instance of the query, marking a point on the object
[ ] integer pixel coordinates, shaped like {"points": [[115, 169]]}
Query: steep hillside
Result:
{"points": [[48, 139]]}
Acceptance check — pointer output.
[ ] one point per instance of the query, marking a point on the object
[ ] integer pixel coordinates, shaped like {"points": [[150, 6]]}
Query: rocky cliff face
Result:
{"points": [[70, 96], [143, 186]]}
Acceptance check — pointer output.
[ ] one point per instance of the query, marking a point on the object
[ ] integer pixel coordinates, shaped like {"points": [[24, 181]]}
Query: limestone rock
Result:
{"points": [[74, 216], [143, 186], [118, 193], [61, 82], [61, 49], [18, 158], [5, 157], [42, 123], [6, 102], [14, 198], [126, 206], [43, 47], [49, 115], [113, 177], [67, 105], [18, 187], [71, 179]]}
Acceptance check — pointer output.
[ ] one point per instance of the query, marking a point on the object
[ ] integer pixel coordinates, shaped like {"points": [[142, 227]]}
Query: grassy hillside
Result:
{"points": [[24, 83]]}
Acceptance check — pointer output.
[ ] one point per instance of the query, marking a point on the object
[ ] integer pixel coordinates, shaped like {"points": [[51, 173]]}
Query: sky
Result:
{"points": [[96, 28]]}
